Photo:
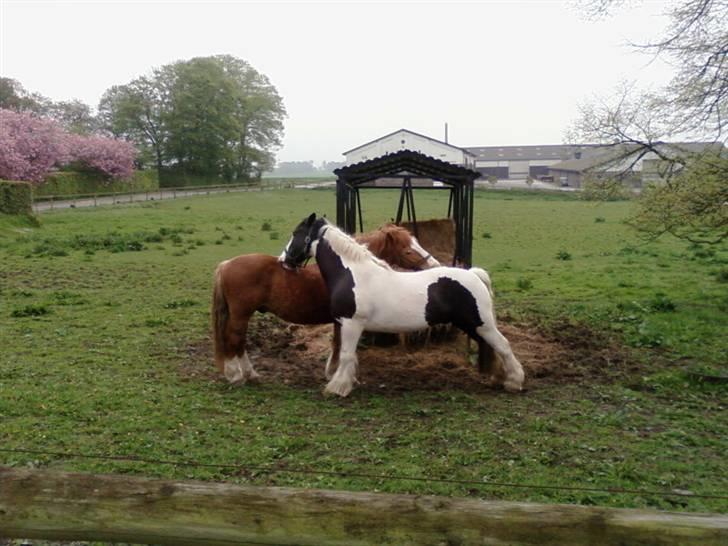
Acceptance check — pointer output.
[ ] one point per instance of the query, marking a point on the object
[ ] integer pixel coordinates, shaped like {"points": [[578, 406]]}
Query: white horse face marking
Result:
{"points": [[282, 257], [426, 256]]}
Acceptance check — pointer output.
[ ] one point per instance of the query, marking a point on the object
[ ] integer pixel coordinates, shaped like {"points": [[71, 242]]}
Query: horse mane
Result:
{"points": [[376, 241], [347, 247]]}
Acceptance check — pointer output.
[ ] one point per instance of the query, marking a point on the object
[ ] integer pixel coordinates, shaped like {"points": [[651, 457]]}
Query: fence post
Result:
{"points": [[56, 505], [94, 199]]}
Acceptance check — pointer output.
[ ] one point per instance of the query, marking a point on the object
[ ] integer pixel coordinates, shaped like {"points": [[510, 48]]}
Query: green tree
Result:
{"points": [[74, 116], [214, 116], [136, 111], [201, 120], [13, 96], [259, 113]]}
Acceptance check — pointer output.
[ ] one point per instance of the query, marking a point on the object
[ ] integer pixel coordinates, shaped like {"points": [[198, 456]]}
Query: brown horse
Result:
{"points": [[258, 282]]}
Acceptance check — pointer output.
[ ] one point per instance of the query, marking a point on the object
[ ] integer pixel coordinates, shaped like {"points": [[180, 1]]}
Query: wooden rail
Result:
{"points": [[64, 506]]}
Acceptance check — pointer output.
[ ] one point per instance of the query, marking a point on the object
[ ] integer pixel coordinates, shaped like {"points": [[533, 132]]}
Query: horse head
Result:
{"points": [[400, 248], [302, 244]]}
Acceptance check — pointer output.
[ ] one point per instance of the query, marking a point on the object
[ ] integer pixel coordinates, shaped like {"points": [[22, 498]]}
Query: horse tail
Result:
{"points": [[220, 314], [482, 274]]}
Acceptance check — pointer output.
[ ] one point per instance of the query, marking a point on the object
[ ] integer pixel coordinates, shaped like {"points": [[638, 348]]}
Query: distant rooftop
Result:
{"points": [[543, 151]]}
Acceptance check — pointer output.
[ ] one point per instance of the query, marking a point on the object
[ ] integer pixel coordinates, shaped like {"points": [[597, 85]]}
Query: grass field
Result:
{"points": [[99, 309]]}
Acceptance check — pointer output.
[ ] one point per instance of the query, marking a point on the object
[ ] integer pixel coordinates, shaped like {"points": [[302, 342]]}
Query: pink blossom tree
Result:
{"points": [[31, 146], [112, 157]]}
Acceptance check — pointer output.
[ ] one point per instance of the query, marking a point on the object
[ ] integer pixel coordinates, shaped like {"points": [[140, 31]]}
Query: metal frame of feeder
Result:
{"points": [[406, 165]]}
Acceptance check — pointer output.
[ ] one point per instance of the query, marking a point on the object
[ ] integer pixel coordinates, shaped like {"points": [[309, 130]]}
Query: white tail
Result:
{"points": [[482, 274]]}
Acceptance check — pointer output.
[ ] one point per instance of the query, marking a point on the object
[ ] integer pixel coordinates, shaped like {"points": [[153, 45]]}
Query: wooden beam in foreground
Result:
{"points": [[64, 506]]}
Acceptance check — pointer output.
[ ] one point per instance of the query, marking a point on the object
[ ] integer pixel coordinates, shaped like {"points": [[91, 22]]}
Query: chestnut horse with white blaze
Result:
{"points": [[258, 282], [367, 294]]}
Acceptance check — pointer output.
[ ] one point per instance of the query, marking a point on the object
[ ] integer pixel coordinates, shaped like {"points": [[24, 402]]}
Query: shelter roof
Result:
{"points": [[406, 162]]}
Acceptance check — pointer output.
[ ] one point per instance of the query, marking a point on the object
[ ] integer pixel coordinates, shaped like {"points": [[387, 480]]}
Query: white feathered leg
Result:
{"points": [[343, 380]]}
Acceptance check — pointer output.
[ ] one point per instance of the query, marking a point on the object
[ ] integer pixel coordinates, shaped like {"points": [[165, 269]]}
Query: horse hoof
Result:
{"points": [[338, 389], [513, 386]]}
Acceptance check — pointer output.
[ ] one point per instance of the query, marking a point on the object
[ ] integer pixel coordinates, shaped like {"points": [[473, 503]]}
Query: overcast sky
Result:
{"points": [[497, 72]]}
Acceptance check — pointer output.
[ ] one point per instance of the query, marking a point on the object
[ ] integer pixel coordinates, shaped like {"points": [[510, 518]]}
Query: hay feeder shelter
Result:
{"points": [[409, 170]]}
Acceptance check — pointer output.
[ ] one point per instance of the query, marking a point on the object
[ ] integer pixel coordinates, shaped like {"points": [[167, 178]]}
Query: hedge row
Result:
{"points": [[16, 197], [75, 183], [176, 177]]}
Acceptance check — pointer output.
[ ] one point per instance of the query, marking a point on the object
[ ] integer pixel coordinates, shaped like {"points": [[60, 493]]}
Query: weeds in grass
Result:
{"points": [[599, 220], [274, 236], [64, 297], [266, 226], [30, 311], [662, 303], [487, 235], [524, 284], [112, 241], [722, 275], [563, 255], [179, 304]]}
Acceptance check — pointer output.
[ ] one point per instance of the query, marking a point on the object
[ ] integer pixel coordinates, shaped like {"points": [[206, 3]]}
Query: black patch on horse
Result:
{"points": [[448, 301], [339, 281]]}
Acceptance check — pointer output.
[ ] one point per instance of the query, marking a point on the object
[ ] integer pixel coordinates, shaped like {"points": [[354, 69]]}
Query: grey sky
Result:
{"points": [[497, 72]]}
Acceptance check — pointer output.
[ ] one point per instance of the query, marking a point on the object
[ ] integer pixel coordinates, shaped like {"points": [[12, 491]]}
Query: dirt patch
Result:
{"points": [[296, 355]]}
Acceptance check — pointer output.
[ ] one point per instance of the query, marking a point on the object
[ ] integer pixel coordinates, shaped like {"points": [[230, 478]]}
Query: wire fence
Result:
{"points": [[279, 469], [44, 203]]}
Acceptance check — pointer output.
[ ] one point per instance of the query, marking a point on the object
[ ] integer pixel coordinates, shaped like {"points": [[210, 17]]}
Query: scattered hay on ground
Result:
{"points": [[295, 355]]}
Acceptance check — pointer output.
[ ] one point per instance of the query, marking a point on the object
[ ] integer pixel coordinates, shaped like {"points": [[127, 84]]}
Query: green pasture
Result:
{"points": [[99, 310]]}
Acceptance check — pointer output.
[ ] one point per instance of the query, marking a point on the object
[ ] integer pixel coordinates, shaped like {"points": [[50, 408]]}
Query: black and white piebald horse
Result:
{"points": [[367, 294]]}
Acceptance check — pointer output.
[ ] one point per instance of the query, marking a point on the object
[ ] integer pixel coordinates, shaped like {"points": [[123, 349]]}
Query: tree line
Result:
{"points": [[211, 116]]}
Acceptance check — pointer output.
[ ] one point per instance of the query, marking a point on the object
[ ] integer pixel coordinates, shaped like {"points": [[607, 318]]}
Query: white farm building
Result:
{"points": [[409, 140]]}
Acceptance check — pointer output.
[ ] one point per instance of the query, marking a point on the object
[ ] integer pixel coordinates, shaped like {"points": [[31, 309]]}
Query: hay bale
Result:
{"points": [[437, 236]]}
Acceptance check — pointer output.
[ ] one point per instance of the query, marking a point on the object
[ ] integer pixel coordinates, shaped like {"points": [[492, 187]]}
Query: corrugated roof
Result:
{"points": [[606, 156], [543, 151]]}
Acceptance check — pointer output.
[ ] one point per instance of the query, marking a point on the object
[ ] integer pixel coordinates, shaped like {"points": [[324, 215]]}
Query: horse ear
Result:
{"points": [[311, 219]]}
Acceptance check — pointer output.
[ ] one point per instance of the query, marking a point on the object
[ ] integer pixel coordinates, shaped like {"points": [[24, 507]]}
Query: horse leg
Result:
{"points": [[238, 368], [333, 361], [512, 372], [489, 363], [343, 380]]}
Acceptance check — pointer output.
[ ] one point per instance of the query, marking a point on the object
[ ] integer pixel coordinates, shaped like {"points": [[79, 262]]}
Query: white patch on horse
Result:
{"points": [[240, 370]]}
